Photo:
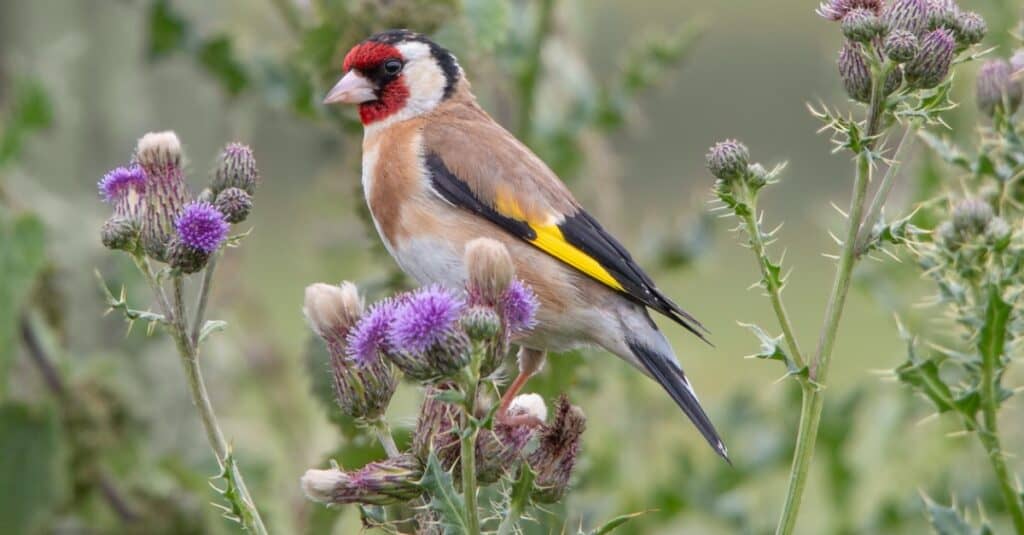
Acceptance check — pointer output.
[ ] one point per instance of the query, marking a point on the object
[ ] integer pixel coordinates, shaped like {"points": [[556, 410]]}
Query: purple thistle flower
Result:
{"points": [[120, 181], [369, 336], [996, 89], [837, 9], [519, 307], [201, 226], [425, 318]]}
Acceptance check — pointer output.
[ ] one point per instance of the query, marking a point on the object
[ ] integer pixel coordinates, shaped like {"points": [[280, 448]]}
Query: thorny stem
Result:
{"points": [[773, 289], [813, 399], [531, 70], [204, 297], [882, 193], [468, 434]]}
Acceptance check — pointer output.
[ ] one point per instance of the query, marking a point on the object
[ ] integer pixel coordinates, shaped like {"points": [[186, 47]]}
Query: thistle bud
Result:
{"points": [[996, 89], [998, 233], [236, 168], [436, 429], [489, 271], [854, 72], [971, 216], [757, 176], [838, 9], [942, 14], [425, 339], [159, 155], [900, 46], [119, 233], [500, 450], [861, 25], [556, 453], [387, 482], [185, 258], [931, 65], [728, 159], [969, 29], [947, 236], [909, 15], [235, 204], [483, 326], [332, 311]]}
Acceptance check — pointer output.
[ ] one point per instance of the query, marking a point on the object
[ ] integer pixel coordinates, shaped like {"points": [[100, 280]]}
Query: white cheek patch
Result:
{"points": [[423, 77]]}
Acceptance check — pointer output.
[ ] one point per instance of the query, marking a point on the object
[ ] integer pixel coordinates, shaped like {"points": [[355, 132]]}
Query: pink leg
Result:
{"points": [[530, 362]]}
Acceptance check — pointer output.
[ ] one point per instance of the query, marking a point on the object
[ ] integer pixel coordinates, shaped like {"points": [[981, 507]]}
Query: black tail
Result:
{"points": [[670, 376]]}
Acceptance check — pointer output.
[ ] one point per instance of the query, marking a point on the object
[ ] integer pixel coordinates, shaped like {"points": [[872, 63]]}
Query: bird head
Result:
{"points": [[396, 74]]}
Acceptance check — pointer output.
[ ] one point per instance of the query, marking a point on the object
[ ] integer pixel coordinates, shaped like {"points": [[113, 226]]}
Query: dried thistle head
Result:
{"points": [[557, 452], [332, 310]]}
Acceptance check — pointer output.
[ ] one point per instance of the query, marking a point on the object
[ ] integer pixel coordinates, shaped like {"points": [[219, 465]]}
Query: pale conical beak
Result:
{"points": [[353, 88]]}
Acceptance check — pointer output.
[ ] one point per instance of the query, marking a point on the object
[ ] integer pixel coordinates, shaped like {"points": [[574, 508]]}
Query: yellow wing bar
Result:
{"points": [[550, 240]]}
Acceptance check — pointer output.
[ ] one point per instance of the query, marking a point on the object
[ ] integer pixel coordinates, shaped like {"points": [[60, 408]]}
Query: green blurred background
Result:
{"points": [[630, 145]]}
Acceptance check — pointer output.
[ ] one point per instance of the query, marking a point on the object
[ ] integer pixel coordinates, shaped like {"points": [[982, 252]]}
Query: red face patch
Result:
{"points": [[369, 58]]}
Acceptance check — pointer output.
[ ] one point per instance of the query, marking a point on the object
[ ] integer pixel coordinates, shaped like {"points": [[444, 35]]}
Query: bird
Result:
{"points": [[438, 172]]}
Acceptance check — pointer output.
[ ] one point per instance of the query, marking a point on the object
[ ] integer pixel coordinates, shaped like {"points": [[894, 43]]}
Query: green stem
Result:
{"points": [[204, 297], [773, 289], [531, 71], [250, 516], [812, 394], [515, 512], [387, 440], [468, 436], [882, 193]]}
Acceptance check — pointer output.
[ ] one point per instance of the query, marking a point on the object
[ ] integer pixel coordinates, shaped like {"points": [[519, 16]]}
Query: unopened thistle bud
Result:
{"points": [[425, 337], [483, 325], [728, 159], [235, 204], [837, 9], [998, 233], [969, 29], [931, 65], [363, 389], [236, 168], [557, 452], [909, 15], [125, 189], [184, 257], [119, 233], [861, 25], [942, 14], [388, 482], [996, 89], [499, 450], [159, 155], [489, 271], [854, 72], [971, 216], [900, 46]]}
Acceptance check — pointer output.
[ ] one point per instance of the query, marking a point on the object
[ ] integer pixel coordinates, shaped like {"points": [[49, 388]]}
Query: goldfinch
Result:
{"points": [[438, 172]]}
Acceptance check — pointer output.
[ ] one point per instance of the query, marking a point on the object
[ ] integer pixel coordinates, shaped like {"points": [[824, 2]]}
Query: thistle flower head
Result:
{"points": [[519, 307], [235, 204], [996, 89], [159, 155], [909, 15], [184, 257], [861, 25], [900, 46], [122, 181], [236, 168], [837, 9], [362, 391], [489, 271], [436, 429], [971, 216], [969, 29], [369, 337], [728, 159], [481, 323], [557, 452], [425, 337], [500, 450], [332, 311], [931, 65], [201, 226], [387, 482], [424, 319], [998, 233], [119, 233], [854, 72]]}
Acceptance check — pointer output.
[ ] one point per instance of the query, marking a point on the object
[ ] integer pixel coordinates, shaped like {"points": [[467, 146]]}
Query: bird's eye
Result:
{"points": [[392, 66]]}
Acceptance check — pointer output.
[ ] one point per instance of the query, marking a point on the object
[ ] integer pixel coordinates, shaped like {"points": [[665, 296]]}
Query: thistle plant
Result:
{"points": [[895, 63], [455, 344], [169, 235], [973, 259]]}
